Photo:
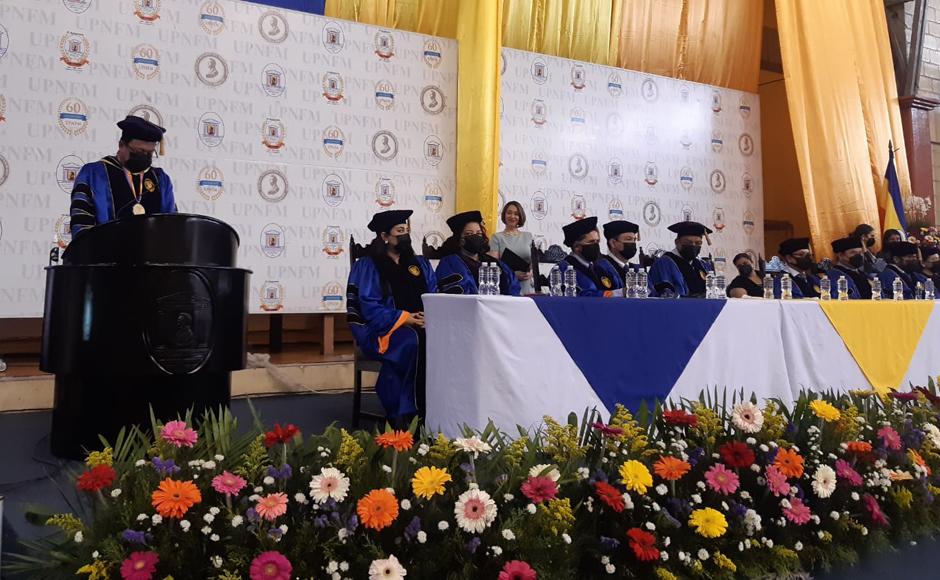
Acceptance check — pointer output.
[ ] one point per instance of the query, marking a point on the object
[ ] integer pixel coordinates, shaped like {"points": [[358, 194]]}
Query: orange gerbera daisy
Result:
{"points": [[859, 446], [172, 499], [378, 509], [789, 463], [670, 468], [399, 440]]}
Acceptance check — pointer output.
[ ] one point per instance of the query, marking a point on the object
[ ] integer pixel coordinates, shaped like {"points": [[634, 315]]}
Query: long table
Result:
{"points": [[514, 360]]}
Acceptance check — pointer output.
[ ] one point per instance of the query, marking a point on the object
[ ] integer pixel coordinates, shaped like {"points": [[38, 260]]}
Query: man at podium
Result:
{"points": [[124, 184]]}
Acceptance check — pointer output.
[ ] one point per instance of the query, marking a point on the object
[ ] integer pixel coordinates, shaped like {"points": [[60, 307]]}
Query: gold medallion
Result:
{"points": [[414, 270], [605, 281], [149, 185], [138, 209]]}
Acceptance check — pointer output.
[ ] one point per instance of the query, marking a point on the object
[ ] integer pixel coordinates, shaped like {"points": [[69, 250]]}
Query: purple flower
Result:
{"points": [[695, 456], [472, 545], [320, 521], [165, 467], [737, 509], [252, 515], [283, 473], [134, 537], [679, 506], [275, 533], [352, 523], [599, 475], [914, 438], [609, 543], [411, 532]]}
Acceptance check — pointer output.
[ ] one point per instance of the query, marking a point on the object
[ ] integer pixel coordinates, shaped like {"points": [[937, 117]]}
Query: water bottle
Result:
{"points": [[720, 286], [929, 290], [571, 282], [710, 286], [843, 288], [897, 290], [919, 291], [825, 289], [554, 281], [642, 284], [629, 284], [786, 288], [494, 279], [768, 287], [876, 289]]}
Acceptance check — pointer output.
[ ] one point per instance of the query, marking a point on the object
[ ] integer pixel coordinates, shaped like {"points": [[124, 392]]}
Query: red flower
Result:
{"points": [[610, 495], [607, 429], [100, 477], [643, 544], [736, 454], [280, 434], [517, 570], [680, 417], [539, 489]]}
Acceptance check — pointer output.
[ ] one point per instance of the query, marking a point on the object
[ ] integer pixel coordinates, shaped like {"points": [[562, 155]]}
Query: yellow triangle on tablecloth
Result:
{"points": [[881, 335]]}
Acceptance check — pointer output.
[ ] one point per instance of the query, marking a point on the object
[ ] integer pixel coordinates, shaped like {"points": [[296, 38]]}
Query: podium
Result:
{"points": [[144, 312]]}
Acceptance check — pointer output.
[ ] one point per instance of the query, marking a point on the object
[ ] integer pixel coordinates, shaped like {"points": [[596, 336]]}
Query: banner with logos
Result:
{"points": [[580, 139], [291, 127]]}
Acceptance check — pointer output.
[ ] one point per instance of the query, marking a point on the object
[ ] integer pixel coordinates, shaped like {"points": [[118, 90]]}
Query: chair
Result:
{"points": [[361, 363], [429, 251]]}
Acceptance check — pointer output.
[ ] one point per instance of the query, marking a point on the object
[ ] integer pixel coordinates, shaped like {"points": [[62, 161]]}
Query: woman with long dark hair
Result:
{"points": [[463, 254], [386, 313]]}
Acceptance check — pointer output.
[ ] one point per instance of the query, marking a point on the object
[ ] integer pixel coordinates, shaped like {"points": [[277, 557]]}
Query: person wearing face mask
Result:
{"points": [[124, 184], [849, 264], [595, 277], [748, 282], [621, 238], [905, 264], [680, 272], [889, 237], [386, 313], [798, 261], [930, 256], [464, 252], [869, 237]]}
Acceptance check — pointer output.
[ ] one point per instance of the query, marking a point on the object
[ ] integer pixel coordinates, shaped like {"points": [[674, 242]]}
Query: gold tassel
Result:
{"points": [[162, 147]]}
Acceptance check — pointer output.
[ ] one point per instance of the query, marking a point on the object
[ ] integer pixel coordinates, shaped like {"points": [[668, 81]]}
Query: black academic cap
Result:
{"points": [[576, 229], [846, 244], [458, 222], [689, 229], [927, 251], [793, 245], [615, 228], [384, 221], [900, 249], [137, 128]]}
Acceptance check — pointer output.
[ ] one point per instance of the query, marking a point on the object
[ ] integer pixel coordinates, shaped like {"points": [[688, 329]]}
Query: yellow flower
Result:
{"points": [[67, 522], [104, 457], [97, 570], [636, 476], [725, 562], [708, 522], [429, 481], [825, 411], [555, 516], [663, 574]]}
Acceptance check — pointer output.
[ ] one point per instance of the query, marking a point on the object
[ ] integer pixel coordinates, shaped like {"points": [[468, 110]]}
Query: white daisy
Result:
{"points": [[747, 417], [474, 511], [933, 433], [824, 481], [473, 445], [545, 470], [387, 569], [331, 483]]}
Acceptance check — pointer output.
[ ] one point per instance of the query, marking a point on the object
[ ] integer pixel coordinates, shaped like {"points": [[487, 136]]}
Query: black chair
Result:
{"points": [[429, 251], [361, 363]]}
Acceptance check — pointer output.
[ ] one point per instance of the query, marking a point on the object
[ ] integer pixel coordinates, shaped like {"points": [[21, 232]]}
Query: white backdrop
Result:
{"points": [[291, 127], [582, 140]]}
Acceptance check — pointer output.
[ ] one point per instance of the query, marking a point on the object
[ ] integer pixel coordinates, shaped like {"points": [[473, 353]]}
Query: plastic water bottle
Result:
{"points": [[554, 282], [786, 288], [494, 279], [710, 286], [930, 291], [919, 291], [642, 284], [768, 287], [843, 288], [876, 289], [825, 289], [720, 286], [897, 289], [571, 282], [629, 284]]}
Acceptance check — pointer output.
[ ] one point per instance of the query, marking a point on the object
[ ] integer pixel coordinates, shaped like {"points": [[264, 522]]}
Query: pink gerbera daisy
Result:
{"points": [[178, 434], [848, 473], [539, 489], [227, 483], [798, 512], [777, 482], [270, 566], [890, 438], [874, 510], [139, 566], [517, 570], [721, 479], [271, 506]]}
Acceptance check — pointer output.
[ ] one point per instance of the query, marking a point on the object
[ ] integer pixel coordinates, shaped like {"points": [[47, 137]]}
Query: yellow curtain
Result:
{"points": [[586, 30], [378, 12], [717, 42], [840, 90]]}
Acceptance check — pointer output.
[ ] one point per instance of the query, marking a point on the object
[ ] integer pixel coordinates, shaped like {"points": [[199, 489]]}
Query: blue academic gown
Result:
{"points": [[456, 278], [379, 330], [665, 271], [103, 193], [834, 274], [889, 275], [602, 280]]}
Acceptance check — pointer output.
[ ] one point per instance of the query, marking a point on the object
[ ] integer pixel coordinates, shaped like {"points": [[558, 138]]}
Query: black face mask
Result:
{"points": [[690, 252], [403, 248], [805, 263], [138, 162], [869, 242], [856, 261], [745, 270], [910, 267], [628, 251], [591, 252], [476, 244]]}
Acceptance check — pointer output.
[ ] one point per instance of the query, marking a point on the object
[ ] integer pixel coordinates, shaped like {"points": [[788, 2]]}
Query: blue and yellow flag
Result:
{"points": [[894, 204]]}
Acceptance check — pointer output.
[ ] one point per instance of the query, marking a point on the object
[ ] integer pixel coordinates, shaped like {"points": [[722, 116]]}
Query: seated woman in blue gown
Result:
{"points": [[386, 313], [462, 254]]}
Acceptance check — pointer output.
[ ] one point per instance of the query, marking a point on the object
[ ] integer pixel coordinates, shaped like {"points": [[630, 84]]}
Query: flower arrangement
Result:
{"points": [[695, 489]]}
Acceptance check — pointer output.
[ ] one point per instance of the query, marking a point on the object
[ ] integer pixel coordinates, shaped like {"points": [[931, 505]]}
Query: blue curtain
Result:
{"points": [[312, 6]]}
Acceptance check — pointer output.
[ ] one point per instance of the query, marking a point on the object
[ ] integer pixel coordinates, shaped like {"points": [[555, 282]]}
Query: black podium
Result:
{"points": [[146, 311]]}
